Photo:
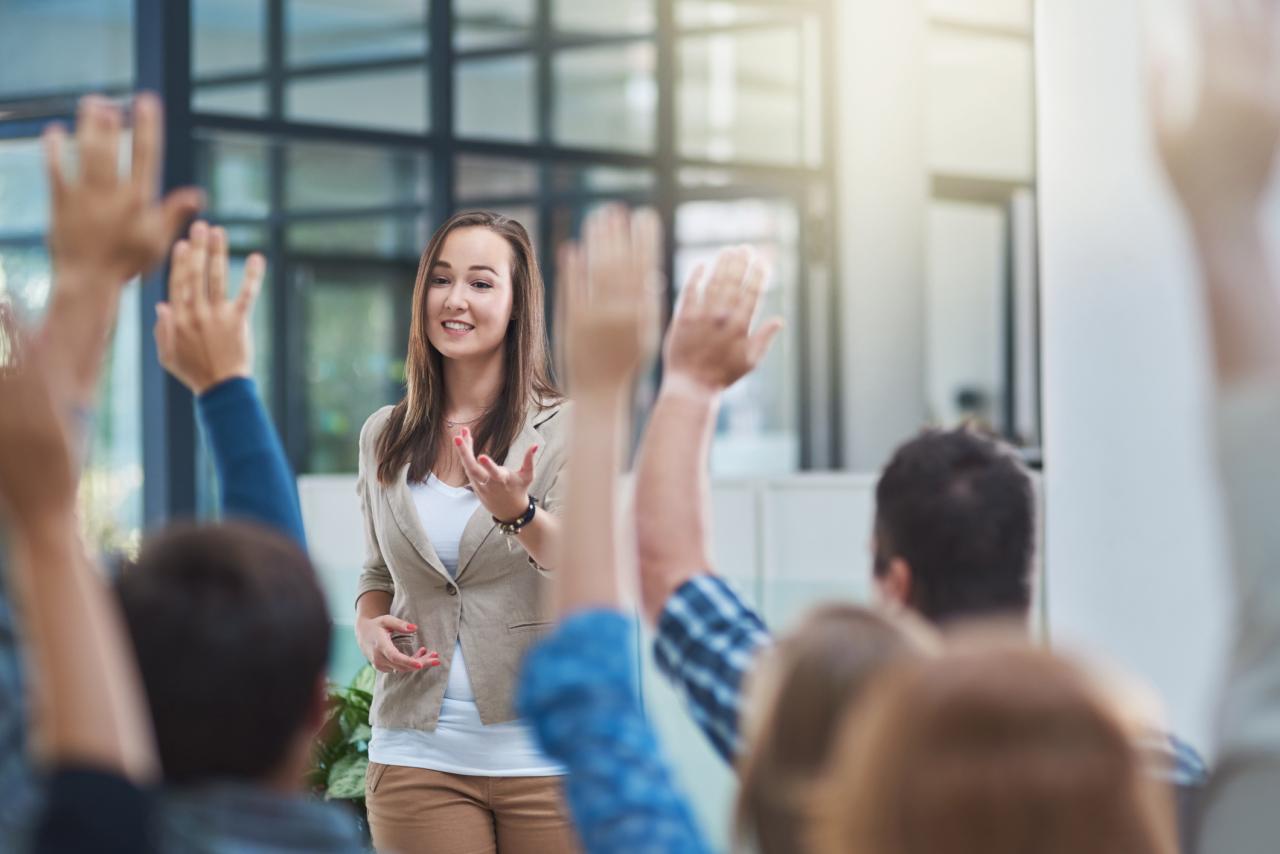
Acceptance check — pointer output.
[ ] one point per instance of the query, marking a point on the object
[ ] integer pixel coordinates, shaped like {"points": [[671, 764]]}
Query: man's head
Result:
{"points": [[955, 527], [232, 638]]}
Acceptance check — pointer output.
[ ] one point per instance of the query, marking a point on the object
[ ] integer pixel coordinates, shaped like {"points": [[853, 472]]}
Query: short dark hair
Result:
{"points": [[232, 635], [959, 508]]}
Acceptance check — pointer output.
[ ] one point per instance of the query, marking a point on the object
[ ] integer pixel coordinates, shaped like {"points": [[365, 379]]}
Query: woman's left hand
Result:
{"points": [[503, 492]]}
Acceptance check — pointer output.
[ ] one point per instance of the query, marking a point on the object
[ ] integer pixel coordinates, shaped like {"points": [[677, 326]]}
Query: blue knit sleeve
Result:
{"points": [[577, 690], [254, 476]]}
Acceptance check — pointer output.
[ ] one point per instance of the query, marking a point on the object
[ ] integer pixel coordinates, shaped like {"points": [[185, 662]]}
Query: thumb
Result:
{"points": [[526, 469], [760, 342], [178, 207]]}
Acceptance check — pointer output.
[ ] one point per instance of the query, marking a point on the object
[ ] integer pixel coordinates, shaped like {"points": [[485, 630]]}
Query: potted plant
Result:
{"points": [[342, 749]]}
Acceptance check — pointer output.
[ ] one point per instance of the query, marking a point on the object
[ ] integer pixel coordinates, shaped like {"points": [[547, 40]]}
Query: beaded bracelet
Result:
{"points": [[515, 526]]}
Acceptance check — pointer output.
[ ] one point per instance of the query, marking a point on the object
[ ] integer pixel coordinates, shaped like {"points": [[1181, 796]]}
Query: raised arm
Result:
{"points": [[709, 347], [1220, 163], [577, 687], [205, 339]]}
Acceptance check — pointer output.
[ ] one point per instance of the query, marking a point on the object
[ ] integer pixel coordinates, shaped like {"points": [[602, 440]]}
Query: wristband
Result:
{"points": [[516, 525]]}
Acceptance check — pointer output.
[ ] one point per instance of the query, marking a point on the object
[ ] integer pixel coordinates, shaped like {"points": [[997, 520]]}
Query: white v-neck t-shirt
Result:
{"points": [[460, 744]]}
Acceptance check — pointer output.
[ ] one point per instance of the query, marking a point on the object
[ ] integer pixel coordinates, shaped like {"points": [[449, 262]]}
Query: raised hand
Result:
{"points": [[1220, 159], [107, 228], [376, 637], [37, 472], [503, 492], [710, 343], [202, 337], [610, 288]]}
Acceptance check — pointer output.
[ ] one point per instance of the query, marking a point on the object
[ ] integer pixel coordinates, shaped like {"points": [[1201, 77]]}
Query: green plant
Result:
{"points": [[342, 749]]}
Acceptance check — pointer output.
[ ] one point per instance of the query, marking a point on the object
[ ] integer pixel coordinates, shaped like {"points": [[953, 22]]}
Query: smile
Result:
{"points": [[457, 327]]}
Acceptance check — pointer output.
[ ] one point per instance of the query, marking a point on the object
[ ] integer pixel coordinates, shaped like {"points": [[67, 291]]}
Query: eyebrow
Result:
{"points": [[473, 266]]}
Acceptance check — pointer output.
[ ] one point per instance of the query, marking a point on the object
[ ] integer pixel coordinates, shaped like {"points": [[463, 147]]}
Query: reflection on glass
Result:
{"points": [[981, 118], [362, 237], [352, 176], [354, 358], [579, 178], [757, 432], [751, 96], [241, 99], [111, 486], [495, 99], [25, 279], [592, 16], [228, 36], [478, 178], [232, 169], [325, 31], [491, 23], [606, 97], [694, 14], [93, 47], [389, 100], [24, 200]]}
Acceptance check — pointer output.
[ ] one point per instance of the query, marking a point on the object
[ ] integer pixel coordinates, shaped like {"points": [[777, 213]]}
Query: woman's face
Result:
{"points": [[469, 294]]}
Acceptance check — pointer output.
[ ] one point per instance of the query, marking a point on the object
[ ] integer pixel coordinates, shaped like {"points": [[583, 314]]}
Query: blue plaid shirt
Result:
{"points": [[708, 638]]}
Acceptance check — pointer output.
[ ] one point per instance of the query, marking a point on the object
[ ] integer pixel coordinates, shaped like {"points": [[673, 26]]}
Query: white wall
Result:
{"points": [[1134, 545]]}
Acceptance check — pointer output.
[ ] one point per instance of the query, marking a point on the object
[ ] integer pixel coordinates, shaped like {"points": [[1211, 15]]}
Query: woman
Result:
{"points": [[458, 549], [994, 748]]}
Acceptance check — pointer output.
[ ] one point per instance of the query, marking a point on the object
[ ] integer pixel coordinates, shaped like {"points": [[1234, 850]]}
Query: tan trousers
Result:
{"points": [[413, 810]]}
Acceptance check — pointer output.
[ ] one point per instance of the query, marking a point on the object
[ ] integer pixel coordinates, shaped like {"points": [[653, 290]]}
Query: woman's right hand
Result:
{"points": [[373, 634]]}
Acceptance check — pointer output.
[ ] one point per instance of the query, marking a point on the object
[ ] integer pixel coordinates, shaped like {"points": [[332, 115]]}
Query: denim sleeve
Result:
{"points": [[254, 476], [577, 691]]}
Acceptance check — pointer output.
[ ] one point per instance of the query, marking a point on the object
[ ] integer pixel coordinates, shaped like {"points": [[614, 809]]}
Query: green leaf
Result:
{"points": [[363, 680], [346, 778], [362, 732]]}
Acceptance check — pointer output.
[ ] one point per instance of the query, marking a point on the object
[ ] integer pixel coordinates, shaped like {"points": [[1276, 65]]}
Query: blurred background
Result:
{"points": [[881, 153]]}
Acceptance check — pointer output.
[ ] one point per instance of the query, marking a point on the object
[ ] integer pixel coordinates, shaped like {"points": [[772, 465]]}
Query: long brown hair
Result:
{"points": [[804, 686], [412, 434], [992, 749]]}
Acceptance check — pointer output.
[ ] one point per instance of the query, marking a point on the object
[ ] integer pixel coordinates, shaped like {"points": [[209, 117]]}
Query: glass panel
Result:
{"points": [[964, 313], [592, 16], [751, 96], [1013, 14], [691, 14], [362, 237], [69, 45], [390, 100], [495, 99], [24, 201], [25, 279], [111, 486], [492, 23], [323, 31], [757, 432], [479, 178], [248, 99], [232, 169], [980, 106], [606, 97], [228, 36], [351, 176], [576, 178], [355, 356]]}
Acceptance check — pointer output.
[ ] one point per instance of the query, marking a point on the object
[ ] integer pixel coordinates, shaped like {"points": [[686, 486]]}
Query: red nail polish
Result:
{"points": [[412, 627], [457, 440]]}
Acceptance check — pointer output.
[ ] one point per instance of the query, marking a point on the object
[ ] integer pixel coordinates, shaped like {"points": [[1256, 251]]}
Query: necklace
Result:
{"points": [[449, 423]]}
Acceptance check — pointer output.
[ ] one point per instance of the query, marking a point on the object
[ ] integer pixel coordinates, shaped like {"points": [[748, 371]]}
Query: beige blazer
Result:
{"points": [[495, 604]]}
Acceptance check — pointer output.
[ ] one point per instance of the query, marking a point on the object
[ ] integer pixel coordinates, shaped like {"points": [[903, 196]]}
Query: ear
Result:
{"points": [[894, 583]]}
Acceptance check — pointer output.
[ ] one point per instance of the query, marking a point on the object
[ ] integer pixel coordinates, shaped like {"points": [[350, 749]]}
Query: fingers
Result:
{"points": [[164, 334], [181, 276], [55, 144], [197, 293], [178, 208], [526, 468], [394, 659], [762, 340], [98, 141], [492, 471], [690, 295], [724, 287], [218, 262], [148, 144], [251, 285], [466, 452], [748, 295]]}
